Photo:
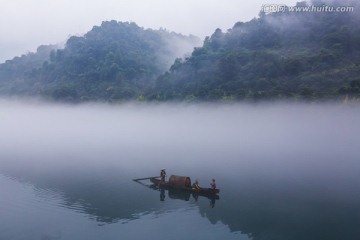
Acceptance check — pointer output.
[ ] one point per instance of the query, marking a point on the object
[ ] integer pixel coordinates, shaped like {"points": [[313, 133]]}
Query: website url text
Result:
{"points": [[277, 8]]}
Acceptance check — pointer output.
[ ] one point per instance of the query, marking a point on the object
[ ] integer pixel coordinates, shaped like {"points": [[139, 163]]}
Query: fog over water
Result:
{"points": [[244, 130], [281, 167]]}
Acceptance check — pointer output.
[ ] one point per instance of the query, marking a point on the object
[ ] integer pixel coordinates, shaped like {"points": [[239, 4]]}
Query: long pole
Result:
{"points": [[139, 179]]}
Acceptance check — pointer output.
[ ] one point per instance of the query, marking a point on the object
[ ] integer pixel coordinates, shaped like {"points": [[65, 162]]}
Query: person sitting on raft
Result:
{"points": [[195, 186]]}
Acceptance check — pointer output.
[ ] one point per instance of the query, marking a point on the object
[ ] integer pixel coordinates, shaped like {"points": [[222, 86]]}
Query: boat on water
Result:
{"points": [[182, 183]]}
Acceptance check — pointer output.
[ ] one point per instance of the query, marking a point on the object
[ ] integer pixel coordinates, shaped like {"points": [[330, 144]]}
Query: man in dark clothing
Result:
{"points": [[162, 176], [213, 184]]}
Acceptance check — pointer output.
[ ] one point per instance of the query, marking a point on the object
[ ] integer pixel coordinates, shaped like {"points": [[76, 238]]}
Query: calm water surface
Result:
{"points": [[286, 171]]}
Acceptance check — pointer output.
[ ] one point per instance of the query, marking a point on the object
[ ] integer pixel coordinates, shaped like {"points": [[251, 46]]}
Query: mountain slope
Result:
{"points": [[280, 55], [13, 72], [114, 61]]}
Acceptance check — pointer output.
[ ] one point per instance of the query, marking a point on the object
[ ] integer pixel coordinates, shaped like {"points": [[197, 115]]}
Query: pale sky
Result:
{"points": [[26, 24]]}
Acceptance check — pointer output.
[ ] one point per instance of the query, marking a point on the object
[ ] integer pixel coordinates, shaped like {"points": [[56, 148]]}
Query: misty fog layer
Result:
{"points": [[295, 137]]}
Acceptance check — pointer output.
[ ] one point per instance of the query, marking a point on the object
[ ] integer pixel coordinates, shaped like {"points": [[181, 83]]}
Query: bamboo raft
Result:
{"points": [[182, 183]]}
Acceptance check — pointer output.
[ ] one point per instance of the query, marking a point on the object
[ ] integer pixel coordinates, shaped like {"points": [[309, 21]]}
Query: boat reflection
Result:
{"points": [[181, 195]]}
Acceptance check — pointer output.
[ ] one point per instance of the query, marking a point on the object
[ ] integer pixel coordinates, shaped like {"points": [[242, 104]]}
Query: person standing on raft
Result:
{"points": [[162, 176], [213, 184]]}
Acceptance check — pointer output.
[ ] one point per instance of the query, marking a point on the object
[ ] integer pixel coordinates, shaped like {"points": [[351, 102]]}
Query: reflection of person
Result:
{"points": [[162, 176], [162, 195], [212, 202], [213, 184], [195, 186]]}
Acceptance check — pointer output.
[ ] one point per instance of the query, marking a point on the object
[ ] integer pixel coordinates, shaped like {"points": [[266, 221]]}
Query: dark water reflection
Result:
{"points": [[285, 171]]}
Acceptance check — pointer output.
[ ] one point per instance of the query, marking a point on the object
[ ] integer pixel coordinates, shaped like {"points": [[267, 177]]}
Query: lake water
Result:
{"points": [[286, 171]]}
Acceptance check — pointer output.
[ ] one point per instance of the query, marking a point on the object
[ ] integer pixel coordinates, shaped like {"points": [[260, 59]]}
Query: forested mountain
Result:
{"points": [[290, 54], [304, 55], [14, 72], [114, 61]]}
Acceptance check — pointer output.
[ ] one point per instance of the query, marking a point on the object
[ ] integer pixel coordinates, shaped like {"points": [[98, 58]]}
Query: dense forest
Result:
{"points": [[13, 73], [284, 55], [113, 62], [304, 55]]}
